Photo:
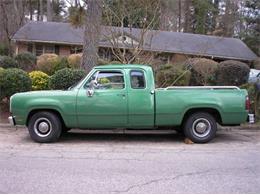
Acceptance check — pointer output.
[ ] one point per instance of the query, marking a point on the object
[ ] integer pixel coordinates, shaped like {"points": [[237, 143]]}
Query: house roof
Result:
{"points": [[154, 40]]}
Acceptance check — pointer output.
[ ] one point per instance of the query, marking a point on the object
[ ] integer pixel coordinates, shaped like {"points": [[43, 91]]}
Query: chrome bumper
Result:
{"points": [[11, 120]]}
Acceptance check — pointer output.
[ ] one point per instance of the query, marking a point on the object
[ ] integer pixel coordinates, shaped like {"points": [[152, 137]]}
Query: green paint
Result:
{"points": [[129, 107]]}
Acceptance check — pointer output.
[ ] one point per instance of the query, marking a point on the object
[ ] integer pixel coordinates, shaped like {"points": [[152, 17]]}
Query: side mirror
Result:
{"points": [[93, 84]]}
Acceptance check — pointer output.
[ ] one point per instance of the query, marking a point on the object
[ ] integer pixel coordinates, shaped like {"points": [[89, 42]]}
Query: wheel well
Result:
{"points": [[44, 110], [214, 112]]}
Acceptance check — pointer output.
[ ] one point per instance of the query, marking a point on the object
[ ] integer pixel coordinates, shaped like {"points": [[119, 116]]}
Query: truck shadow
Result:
{"points": [[120, 137]]}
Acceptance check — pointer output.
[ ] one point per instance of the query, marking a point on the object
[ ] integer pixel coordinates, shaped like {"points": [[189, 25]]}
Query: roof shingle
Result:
{"points": [[162, 41]]}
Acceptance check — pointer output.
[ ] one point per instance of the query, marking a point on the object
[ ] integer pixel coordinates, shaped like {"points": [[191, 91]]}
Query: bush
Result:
{"points": [[74, 60], [14, 80], [4, 50], [203, 71], [232, 72], [61, 64], [47, 63], [7, 62], [39, 80], [256, 63], [65, 78], [26, 61], [169, 75], [1, 70]]}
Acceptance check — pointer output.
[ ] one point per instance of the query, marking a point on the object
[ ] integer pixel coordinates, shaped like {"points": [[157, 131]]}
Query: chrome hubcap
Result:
{"points": [[42, 127], [201, 127]]}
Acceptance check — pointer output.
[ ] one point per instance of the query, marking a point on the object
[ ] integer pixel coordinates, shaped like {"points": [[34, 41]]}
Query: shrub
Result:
{"points": [[256, 63], [203, 71], [4, 50], [7, 62], [26, 61], [74, 60], [1, 70], [169, 75], [65, 78], [61, 64], [39, 80], [14, 80], [232, 72], [47, 63]]}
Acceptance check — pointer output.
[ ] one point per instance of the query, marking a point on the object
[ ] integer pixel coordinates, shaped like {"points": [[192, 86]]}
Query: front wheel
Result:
{"points": [[200, 127], [45, 127]]}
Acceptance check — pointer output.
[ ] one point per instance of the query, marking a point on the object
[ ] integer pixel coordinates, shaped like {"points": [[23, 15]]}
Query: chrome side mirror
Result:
{"points": [[93, 84], [90, 92]]}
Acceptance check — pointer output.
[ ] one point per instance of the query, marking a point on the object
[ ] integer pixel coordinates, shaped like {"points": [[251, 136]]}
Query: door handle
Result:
{"points": [[152, 92]]}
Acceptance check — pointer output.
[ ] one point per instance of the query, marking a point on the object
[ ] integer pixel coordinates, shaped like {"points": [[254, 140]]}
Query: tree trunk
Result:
{"points": [[179, 17], [230, 17], [187, 16], [49, 10], [91, 34], [30, 9], [41, 10]]}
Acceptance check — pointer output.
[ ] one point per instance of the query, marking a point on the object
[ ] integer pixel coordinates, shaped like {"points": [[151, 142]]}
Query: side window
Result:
{"points": [[92, 78], [137, 79], [108, 80]]}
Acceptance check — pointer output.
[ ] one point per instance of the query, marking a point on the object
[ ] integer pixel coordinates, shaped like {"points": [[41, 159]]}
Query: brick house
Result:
{"points": [[63, 39]]}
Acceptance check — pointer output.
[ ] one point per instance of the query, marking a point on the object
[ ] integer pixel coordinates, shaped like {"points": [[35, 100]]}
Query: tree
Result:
{"points": [[12, 17], [127, 43], [49, 10], [92, 25], [249, 28]]}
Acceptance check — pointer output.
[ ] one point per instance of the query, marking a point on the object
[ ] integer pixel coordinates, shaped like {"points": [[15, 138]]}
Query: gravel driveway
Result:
{"points": [[117, 163]]}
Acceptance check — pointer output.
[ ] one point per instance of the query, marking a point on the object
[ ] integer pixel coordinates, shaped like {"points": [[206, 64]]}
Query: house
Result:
{"points": [[63, 39]]}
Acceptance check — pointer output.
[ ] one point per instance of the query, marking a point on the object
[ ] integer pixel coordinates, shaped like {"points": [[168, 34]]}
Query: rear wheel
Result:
{"points": [[45, 127], [200, 127]]}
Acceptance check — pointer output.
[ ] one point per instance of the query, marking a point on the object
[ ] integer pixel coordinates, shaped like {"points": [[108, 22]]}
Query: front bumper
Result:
{"points": [[11, 120]]}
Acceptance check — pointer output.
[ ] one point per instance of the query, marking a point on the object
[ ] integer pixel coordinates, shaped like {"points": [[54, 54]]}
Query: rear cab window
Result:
{"points": [[137, 79]]}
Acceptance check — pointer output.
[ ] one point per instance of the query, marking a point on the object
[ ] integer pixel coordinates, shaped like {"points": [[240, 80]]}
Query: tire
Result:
{"points": [[65, 130], [200, 127], [45, 127]]}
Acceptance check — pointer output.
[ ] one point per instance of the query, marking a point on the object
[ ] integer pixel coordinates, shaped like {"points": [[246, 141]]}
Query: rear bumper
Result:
{"points": [[11, 120]]}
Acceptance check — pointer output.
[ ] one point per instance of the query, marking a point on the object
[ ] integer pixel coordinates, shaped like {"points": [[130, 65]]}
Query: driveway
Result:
{"points": [[116, 163]]}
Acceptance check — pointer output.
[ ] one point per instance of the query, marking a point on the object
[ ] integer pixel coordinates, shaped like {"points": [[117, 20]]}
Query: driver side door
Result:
{"points": [[107, 107]]}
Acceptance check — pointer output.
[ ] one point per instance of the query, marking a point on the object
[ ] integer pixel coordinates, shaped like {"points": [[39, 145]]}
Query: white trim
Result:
{"points": [[202, 87]]}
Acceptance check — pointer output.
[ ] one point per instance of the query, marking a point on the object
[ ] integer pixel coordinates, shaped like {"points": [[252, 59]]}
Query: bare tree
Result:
{"points": [[92, 25], [129, 44], [12, 14]]}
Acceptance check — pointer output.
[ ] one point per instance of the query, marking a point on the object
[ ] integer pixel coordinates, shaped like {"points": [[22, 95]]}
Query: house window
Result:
{"points": [[30, 47], [76, 49], [39, 50], [49, 49], [57, 49]]}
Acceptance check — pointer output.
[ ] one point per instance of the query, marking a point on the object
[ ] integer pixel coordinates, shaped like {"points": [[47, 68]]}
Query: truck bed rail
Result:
{"points": [[202, 87]]}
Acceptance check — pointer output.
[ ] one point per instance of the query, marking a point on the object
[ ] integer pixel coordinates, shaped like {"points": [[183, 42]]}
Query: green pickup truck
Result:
{"points": [[124, 96]]}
